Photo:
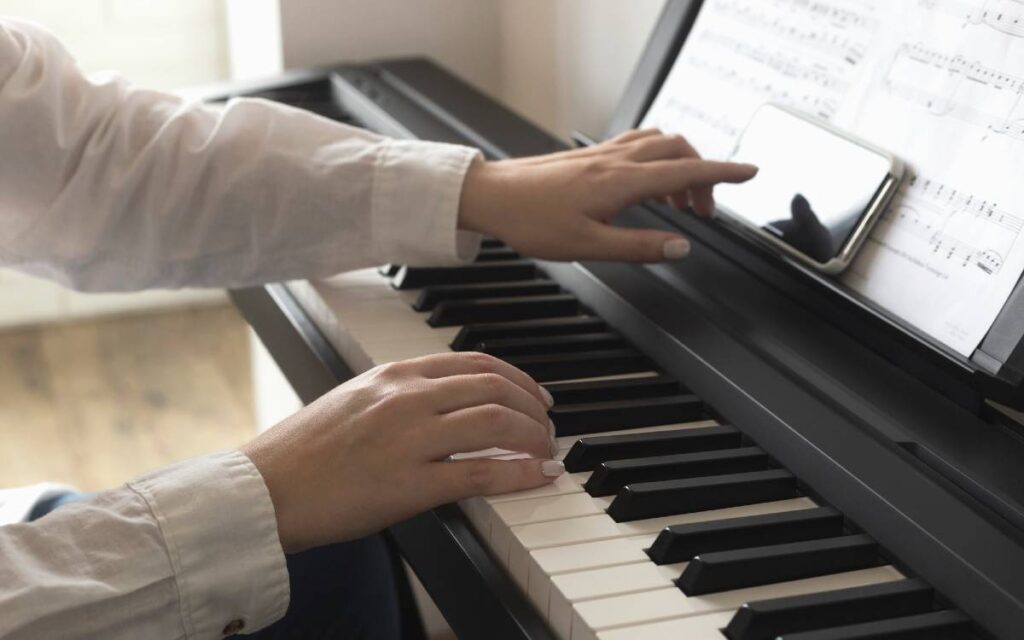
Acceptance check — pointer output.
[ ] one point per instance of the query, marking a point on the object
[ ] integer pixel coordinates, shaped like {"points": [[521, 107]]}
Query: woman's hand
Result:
{"points": [[375, 450], [558, 206]]}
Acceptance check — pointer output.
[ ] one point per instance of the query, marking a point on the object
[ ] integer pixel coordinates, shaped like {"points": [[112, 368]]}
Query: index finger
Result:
{"points": [[667, 177], [703, 200]]}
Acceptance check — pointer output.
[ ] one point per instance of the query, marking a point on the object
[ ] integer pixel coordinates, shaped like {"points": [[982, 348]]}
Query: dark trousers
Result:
{"points": [[344, 591], [347, 591]]}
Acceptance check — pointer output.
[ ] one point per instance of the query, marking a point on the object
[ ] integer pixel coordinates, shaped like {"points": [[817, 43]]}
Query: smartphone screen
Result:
{"points": [[813, 186]]}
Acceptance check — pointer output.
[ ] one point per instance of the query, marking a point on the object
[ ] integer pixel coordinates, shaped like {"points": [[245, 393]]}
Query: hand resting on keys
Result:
{"points": [[375, 450], [558, 206]]}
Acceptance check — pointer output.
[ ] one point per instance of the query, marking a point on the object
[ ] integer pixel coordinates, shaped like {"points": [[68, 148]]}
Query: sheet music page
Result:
{"points": [[940, 83]]}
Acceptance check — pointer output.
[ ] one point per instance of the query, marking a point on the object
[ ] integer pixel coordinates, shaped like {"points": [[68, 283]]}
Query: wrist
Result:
{"points": [[481, 200]]}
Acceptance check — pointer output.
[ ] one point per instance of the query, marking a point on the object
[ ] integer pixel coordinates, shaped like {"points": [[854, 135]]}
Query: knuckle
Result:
{"points": [[392, 370], [481, 360], [496, 416], [678, 143], [495, 384]]}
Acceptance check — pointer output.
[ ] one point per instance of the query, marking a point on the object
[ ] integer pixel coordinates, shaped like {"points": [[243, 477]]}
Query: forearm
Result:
{"points": [[122, 188]]}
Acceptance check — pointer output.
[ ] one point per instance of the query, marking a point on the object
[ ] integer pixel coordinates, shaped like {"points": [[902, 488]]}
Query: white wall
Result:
{"points": [[564, 63], [160, 43], [461, 34]]}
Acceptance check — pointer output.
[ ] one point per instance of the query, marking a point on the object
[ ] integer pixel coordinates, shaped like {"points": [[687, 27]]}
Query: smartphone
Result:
{"points": [[819, 190]]}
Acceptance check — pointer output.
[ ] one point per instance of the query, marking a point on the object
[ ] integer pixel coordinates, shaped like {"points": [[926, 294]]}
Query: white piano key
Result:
{"points": [[591, 555], [573, 505], [602, 527], [564, 484], [569, 589], [545, 563], [593, 616], [517, 545], [704, 627]]}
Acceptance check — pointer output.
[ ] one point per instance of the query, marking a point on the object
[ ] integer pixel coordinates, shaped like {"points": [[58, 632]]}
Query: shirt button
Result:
{"points": [[233, 627]]}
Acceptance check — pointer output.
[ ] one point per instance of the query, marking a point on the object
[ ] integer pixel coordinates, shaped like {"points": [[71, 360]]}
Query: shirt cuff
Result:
{"points": [[415, 208], [220, 530]]}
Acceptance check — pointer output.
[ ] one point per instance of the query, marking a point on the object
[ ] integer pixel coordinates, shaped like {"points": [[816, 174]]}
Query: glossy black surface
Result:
{"points": [[719, 571], [613, 475], [601, 390], [470, 337], [611, 415], [770, 619], [669, 497], [588, 453], [453, 313], [681, 543], [940, 625]]}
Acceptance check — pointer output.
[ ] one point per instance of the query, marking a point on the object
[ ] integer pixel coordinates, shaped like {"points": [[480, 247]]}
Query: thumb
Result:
{"points": [[634, 245]]}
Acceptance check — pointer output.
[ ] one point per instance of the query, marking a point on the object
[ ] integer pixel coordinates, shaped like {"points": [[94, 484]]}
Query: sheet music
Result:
{"points": [[938, 82]]}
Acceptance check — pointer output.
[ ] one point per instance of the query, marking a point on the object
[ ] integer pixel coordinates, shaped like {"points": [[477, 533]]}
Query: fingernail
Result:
{"points": [[547, 397], [676, 249], [751, 167], [552, 468]]}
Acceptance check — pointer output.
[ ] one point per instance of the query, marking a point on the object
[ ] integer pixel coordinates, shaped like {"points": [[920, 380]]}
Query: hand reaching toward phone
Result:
{"points": [[375, 450], [558, 206]]}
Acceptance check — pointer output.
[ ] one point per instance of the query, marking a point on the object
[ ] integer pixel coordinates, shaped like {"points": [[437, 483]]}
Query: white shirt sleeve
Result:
{"points": [[104, 186], [185, 552]]}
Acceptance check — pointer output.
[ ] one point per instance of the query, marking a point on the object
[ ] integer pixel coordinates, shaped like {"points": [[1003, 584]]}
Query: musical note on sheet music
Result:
{"points": [[1004, 16], [802, 53], [952, 85], [940, 215]]}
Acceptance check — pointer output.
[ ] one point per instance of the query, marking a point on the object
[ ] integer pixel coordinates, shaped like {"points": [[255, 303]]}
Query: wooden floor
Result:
{"points": [[95, 403]]}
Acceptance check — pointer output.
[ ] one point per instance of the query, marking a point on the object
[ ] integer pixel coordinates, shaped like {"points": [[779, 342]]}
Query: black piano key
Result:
{"points": [[588, 453], [602, 390], [471, 336], [552, 344], [452, 313], [681, 543], [770, 619], [491, 243], [595, 417], [611, 476], [389, 270], [432, 296], [937, 625], [586, 364], [719, 571], [419, 277], [669, 497], [493, 254]]}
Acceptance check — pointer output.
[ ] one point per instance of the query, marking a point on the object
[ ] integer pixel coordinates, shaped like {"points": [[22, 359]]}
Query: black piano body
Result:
{"points": [[896, 432]]}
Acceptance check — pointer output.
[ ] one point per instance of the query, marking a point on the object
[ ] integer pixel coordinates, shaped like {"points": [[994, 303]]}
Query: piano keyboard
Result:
{"points": [[667, 524]]}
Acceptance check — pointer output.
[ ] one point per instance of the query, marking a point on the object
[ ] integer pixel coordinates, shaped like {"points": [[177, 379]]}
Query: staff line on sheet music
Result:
{"points": [[917, 69], [932, 210], [832, 37]]}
